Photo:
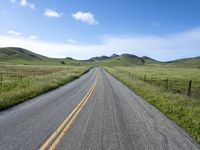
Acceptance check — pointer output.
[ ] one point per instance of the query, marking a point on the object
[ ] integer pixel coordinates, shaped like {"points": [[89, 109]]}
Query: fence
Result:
{"points": [[7, 79], [10, 79], [187, 87]]}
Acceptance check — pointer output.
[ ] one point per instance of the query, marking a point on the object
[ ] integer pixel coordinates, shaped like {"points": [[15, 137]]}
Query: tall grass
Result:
{"points": [[172, 78], [21, 83], [178, 107]]}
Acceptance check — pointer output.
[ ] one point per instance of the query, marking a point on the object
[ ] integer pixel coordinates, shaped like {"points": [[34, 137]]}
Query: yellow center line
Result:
{"points": [[57, 135]]}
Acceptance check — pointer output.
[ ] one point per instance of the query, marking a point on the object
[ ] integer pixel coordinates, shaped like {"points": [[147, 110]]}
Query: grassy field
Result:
{"points": [[176, 105], [21, 82], [173, 79]]}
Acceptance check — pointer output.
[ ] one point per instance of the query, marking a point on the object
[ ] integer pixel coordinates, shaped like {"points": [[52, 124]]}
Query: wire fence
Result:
{"points": [[9, 78], [191, 88]]}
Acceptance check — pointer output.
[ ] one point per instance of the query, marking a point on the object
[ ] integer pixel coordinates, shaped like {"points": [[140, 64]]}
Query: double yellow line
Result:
{"points": [[58, 134]]}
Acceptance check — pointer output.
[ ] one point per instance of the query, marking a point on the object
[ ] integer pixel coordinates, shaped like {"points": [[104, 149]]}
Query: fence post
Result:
{"points": [[1, 78], [189, 88]]}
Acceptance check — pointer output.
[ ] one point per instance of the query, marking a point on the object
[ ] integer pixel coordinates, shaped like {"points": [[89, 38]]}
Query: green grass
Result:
{"points": [[15, 56], [10, 55], [21, 83], [122, 60], [186, 62], [178, 78], [178, 107]]}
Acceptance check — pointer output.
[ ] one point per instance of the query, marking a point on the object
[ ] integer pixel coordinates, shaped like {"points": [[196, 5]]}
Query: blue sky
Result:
{"points": [[162, 29]]}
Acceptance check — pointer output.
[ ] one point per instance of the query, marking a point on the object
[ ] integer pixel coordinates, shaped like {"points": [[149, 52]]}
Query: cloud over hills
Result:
{"points": [[177, 45]]}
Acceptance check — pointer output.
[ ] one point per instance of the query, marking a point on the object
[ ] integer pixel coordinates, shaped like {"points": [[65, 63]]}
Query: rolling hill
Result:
{"points": [[124, 60], [13, 55], [186, 62]]}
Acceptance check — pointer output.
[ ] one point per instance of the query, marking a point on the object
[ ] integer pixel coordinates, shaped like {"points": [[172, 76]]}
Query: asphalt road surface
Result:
{"points": [[94, 112]]}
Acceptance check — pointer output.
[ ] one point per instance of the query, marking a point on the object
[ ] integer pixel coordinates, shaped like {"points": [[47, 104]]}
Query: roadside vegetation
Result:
{"points": [[163, 84], [19, 83], [173, 102]]}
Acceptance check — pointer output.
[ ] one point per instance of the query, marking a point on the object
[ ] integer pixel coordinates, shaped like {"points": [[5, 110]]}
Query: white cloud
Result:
{"points": [[72, 41], [33, 37], [25, 3], [12, 32], [85, 17], [185, 44], [52, 13]]}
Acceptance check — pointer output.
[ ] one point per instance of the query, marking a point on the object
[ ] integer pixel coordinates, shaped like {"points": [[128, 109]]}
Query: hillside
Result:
{"points": [[148, 60], [124, 60], [186, 62], [133, 60], [102, 57], [12, 55]]}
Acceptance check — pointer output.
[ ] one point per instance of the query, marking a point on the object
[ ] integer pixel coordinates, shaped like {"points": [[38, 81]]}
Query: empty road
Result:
{"points": [[94, 112]]}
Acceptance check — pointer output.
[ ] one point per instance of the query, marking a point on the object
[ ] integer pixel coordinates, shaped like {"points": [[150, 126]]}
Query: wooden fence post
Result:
{"points": [[189, 88], [1, 78]]}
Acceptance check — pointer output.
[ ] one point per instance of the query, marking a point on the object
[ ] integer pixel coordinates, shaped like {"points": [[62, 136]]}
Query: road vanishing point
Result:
{"points": [[94, 112]]}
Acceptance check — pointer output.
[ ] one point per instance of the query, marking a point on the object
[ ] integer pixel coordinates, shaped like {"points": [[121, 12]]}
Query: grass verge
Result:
{"points": [[184, 111], [35, 80]]}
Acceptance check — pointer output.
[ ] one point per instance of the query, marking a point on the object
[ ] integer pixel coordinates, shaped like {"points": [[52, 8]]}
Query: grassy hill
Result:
{"points": [[19, 53], [186, 62], [12, 55], [125, 60]]}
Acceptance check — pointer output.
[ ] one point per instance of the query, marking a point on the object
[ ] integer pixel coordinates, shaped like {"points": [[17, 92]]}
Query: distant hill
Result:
{"points": [[149, 60], [123, 60], [102, 57], [99, 58], [132, 60], [14, 55], [186, 62]]}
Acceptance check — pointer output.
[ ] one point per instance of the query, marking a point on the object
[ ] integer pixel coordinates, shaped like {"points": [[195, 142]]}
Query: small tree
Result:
{"points": [[62, 62]]}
